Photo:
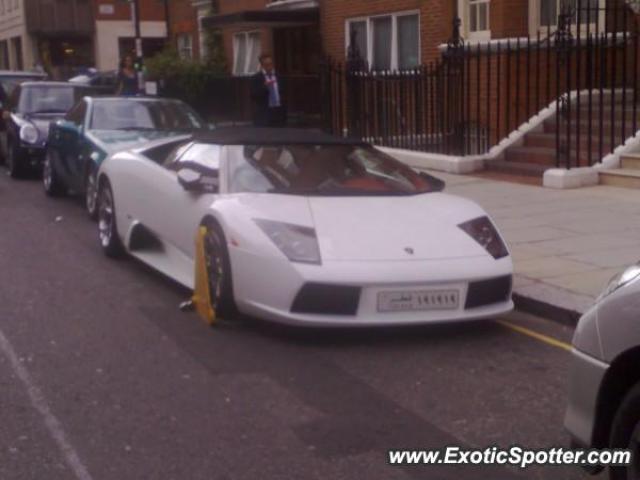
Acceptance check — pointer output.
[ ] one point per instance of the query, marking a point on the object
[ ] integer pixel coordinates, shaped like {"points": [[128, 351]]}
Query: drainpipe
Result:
{"points": [[138, 41]]}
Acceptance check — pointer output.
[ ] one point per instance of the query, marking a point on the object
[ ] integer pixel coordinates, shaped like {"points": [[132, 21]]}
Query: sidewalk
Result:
{"points": [[566, 244]]}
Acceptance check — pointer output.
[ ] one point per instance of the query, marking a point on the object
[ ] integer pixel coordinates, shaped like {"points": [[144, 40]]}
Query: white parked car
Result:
{"points": [[305, 228], [604, 393]]}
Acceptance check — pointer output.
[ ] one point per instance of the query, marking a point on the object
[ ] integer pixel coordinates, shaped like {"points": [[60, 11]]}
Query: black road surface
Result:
{"points": [[103, 378]]}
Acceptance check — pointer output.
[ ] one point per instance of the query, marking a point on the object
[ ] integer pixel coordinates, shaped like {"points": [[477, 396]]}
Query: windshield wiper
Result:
{"points": [[293, 191], [144, 129]]}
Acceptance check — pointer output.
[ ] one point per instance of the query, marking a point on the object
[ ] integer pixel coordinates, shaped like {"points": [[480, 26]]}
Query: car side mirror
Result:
{"points": [[70, 129], [196, 181], [436, 184]]}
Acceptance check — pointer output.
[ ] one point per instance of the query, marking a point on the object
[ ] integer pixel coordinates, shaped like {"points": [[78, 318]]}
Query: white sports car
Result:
{"points": [[305, 228]]}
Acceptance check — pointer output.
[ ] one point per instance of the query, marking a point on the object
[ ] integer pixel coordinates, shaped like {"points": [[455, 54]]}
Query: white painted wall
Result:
{"points": [[108, 33], [203, 9]]}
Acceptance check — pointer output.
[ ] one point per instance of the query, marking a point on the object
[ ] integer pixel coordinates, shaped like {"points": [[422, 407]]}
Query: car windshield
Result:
{"points": [[330, 170], [130, 114], [46, 99]]}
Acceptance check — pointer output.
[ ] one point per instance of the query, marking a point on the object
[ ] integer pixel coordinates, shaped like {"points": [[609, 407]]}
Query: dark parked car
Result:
{"points": [[9, 80], [103, 83], [31, 108], [99, 126]]}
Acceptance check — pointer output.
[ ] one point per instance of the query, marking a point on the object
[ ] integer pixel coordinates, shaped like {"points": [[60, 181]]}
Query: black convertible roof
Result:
{"points": [[271, 136]]}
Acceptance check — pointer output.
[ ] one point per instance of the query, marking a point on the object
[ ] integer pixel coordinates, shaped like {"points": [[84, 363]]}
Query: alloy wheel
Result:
{"points": [[91, 196], [215, 266], [105, 217], [47, 176]]}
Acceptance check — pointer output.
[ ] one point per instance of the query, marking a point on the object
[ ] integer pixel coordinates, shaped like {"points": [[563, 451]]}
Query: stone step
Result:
{"points": [[550, 127], [620, 177], [630, 161], [536, 155], [548, 140], [516, 168], [547, 156]]}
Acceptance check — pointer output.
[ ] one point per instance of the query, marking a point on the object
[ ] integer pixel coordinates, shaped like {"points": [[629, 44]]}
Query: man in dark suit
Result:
{"points": [[266, 96]]}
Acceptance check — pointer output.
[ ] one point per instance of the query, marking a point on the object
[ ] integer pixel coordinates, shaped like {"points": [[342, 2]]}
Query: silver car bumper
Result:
{"points": [[585, 378]]}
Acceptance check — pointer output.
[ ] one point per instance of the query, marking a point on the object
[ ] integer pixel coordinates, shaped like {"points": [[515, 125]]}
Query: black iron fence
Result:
{"points": [[225, 99], [585, 65]]}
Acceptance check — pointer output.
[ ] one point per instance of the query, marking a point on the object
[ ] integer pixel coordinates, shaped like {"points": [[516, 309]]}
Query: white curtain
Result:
{"points": [[408, 42], [254, 49], [239, 53]]}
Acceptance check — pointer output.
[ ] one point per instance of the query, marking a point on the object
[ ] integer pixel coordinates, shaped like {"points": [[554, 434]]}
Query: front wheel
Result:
{"points": [[50, 180], [107, 228], [219, 272], [91, 192], [625, 433]]}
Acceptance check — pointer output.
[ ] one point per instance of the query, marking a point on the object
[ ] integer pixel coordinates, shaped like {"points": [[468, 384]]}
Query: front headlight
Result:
{"points": [[620, 280], [299, 244], [29, 133], [482, 231]]}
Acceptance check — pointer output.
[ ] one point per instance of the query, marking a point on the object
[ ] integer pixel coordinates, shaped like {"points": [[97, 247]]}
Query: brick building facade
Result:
{"points": [[391, 33], [289, 29]]}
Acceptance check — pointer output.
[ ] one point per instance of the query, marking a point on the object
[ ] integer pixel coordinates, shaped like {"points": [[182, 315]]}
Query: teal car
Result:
{"points": [[97, 127]]}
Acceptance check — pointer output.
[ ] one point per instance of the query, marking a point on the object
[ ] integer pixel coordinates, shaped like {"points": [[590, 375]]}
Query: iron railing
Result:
{"points": [[226, 99], [586, 66]]}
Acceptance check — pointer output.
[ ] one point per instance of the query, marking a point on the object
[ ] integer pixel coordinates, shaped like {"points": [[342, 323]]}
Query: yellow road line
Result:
{"points": [[538, 336]]}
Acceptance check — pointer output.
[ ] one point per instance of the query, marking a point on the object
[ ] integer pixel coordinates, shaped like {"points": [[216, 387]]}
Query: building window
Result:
{"points": [[17, 53], [478, 17], [549, 10], [387, 42], [246, 50], [185, 46]]}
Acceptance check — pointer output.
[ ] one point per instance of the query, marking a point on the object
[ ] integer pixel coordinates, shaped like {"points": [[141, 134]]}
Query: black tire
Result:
{"points": [[625, 433], [107, 227], [51, 182], [219, 272], [15, 165], [91, 191]]}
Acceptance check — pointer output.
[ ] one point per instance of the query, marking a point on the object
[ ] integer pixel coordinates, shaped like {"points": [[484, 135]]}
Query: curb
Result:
{"points": [[542, 309]]}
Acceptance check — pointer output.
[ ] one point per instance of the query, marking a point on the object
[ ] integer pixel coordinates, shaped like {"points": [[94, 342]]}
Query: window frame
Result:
{"points": [[478, 34], [535, 23], [394, 45], [187, 47], [248, 58]]}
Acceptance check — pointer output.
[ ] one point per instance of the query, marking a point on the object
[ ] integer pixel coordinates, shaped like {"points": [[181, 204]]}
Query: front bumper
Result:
{"points": [[32, 155], [268, 288], [586, 375]]}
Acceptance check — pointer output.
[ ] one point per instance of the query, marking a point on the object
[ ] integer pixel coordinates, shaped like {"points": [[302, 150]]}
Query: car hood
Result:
{"points": [[419, 227], [117, 140]]}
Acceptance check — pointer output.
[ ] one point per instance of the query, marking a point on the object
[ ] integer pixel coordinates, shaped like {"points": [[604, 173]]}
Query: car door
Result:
{"points": [[169, 210], [70, 144]]}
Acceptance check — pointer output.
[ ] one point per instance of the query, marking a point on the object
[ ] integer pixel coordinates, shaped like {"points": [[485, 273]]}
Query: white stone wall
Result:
{"points": [[108, 33], [12, 25]]}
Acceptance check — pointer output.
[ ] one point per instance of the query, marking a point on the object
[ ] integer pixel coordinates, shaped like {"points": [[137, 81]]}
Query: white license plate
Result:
{"points": [[418, 300]]}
